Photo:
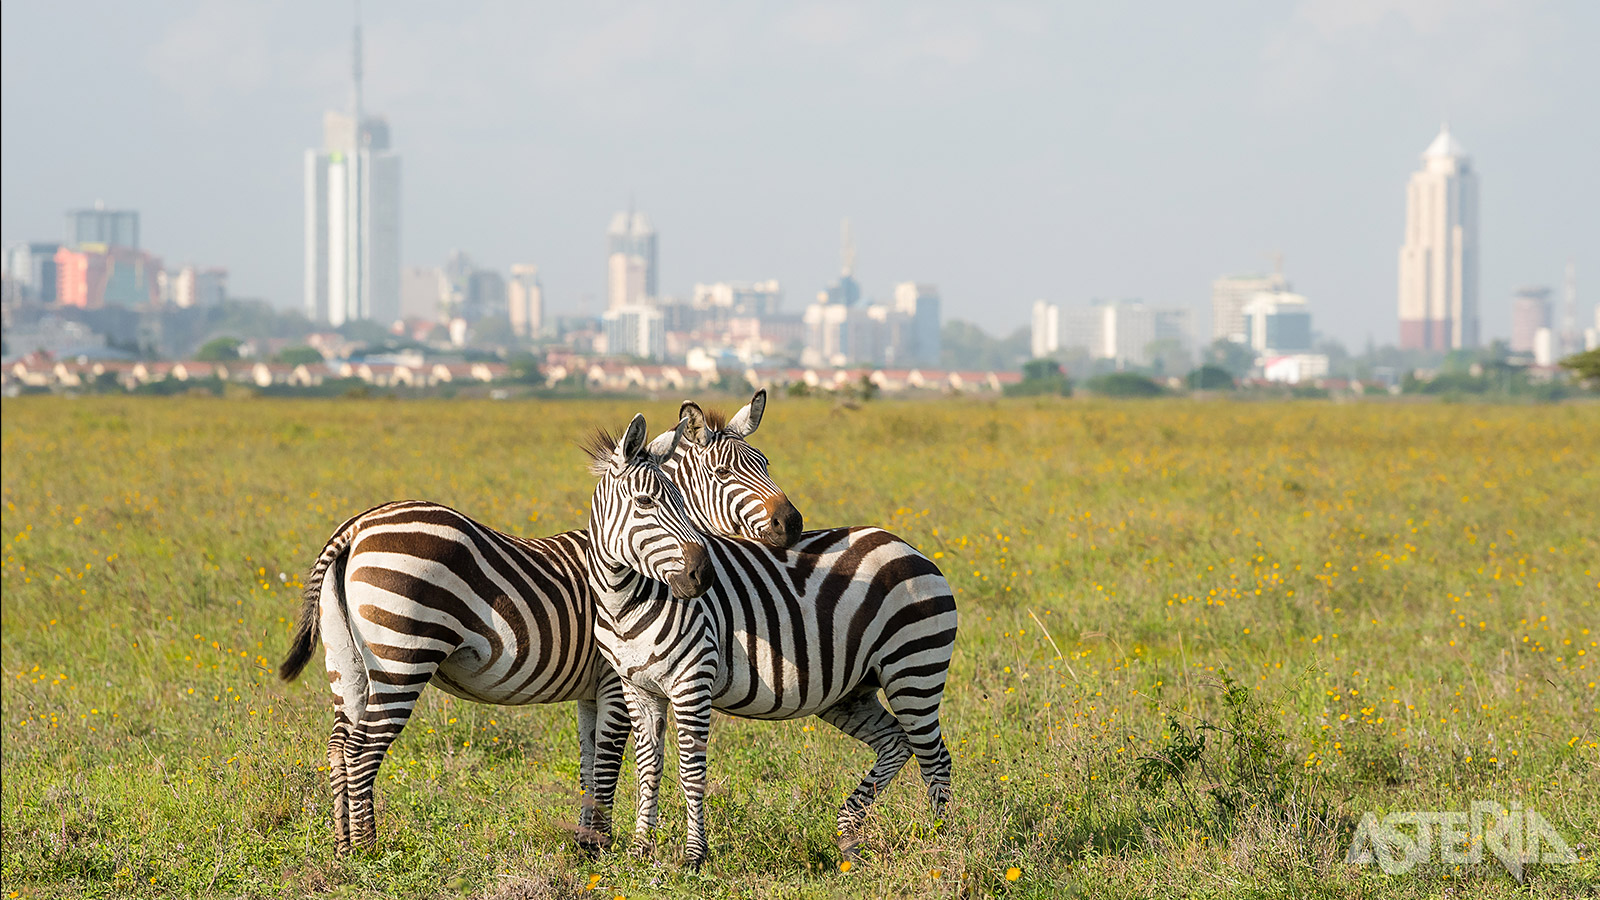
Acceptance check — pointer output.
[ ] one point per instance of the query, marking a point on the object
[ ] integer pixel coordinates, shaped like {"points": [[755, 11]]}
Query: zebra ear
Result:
{"points": [[745, 422], [696, 430], [632, 440], [666, 443], [662, 448]]}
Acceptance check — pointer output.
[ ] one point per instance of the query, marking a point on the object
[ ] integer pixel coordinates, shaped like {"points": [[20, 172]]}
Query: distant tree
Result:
{"points": [[494, 330], [1167, 356], [221, 349], [253, 318], [1041, 377], [299, 356], [1124, 384], [1585, 365], [524, 367], [1210, 378], [963, 345], [798, 389], [365, 330], [1236, 359], [732, 383]]}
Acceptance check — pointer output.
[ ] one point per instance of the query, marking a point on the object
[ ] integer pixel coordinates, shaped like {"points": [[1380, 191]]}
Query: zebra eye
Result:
{"points": [[723, 471], [645, 500]]}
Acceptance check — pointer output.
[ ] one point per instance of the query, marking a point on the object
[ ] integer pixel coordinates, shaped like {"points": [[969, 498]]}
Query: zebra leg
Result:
{"points": [[691, 707], [915, 694], [649, 715], [861, 716], [588, 838], [347, 679], [610, 742], [389, 705]]}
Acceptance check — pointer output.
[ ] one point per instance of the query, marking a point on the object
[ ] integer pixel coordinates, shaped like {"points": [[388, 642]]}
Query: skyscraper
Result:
{"points": [[525, 301], [112, 227], [1530, 311], [353, 217], [1229, 296], [916, 340], [630, 261], [1439, 259]]}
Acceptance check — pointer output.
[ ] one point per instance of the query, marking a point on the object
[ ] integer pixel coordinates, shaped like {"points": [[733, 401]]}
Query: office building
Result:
{"points": [[352, 208], [631, 277], [915, 339], [1530, 311], [95, 276], [636, 331], [1046, 329], [1278, 323], [191, 286], [525, 301], [1439, 259], [1230, 294], [30, 271], [423, 294], [117, 228]]}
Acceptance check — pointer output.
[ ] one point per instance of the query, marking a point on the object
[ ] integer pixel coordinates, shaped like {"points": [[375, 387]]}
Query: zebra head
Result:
{"points": [[724, 480], [637, 519]]}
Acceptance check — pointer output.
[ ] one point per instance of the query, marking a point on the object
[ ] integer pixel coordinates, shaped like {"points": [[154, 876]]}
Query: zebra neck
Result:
{"points": [[618, 587]]}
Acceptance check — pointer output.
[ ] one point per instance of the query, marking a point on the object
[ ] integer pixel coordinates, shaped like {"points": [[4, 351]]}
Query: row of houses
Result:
{"points": [[40, 372]]}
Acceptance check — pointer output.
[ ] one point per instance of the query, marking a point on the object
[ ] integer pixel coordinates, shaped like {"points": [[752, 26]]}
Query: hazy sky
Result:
{"points": [[1005, 152]]}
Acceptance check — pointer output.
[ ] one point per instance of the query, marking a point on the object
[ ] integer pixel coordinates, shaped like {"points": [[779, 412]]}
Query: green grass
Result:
{"points": [[1406, 593]]}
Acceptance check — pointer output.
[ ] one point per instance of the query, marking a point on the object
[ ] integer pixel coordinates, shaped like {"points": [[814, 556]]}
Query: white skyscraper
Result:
{"points": [[1046, 332], [353, 217], [525, 301], [630, 261], [1439, 259]]}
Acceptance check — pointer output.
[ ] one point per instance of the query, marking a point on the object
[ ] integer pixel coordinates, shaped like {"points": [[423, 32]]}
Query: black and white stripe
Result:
{"points": [[816, 629], [412, 593]]}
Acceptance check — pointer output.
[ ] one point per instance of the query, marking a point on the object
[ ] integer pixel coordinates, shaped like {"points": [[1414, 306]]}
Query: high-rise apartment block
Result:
{"points": [[1439, 259], [30, 271], [352, 205], [1230, 294], [630, 261], [192, 286], [1530, 311], [1128, 332], [635, 331], [915, 338], [525, 301], [110, 227], [95, 276], [1278, 323]]}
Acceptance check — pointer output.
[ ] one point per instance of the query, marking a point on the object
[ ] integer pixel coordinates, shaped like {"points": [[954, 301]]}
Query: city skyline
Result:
{"points": [[1064, 197]]}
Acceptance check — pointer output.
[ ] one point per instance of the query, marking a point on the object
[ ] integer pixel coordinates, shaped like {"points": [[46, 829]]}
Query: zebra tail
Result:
{"points": [[305, 634]]}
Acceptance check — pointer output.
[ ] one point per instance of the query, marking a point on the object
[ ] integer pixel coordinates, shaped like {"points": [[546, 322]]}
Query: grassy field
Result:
{"points": [[1362, 607]]}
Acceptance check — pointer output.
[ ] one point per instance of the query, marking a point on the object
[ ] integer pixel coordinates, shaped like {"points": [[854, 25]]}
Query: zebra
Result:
{"points": [[412, 592], [724, 479], [816, 629]]}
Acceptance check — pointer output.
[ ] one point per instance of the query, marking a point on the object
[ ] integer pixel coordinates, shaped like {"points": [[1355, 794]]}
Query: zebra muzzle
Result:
{"points": [[695, 578], [784, 523]]}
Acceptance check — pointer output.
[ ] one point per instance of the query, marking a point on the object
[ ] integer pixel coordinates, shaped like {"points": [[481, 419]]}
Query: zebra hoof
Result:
{"points": [[643, 850], [593, 842]]}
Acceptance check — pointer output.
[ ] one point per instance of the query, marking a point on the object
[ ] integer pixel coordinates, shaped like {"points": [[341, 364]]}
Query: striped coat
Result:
{"points": [[814, 630]]}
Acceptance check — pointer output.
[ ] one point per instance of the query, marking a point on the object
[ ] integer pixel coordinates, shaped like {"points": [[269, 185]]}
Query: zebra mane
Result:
{"points": [[600, 445], [716, 420]]}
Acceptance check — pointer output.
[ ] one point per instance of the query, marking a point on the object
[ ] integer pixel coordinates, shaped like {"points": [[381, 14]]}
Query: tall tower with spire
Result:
{"points": [[353, 214], [1439, 258]]}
